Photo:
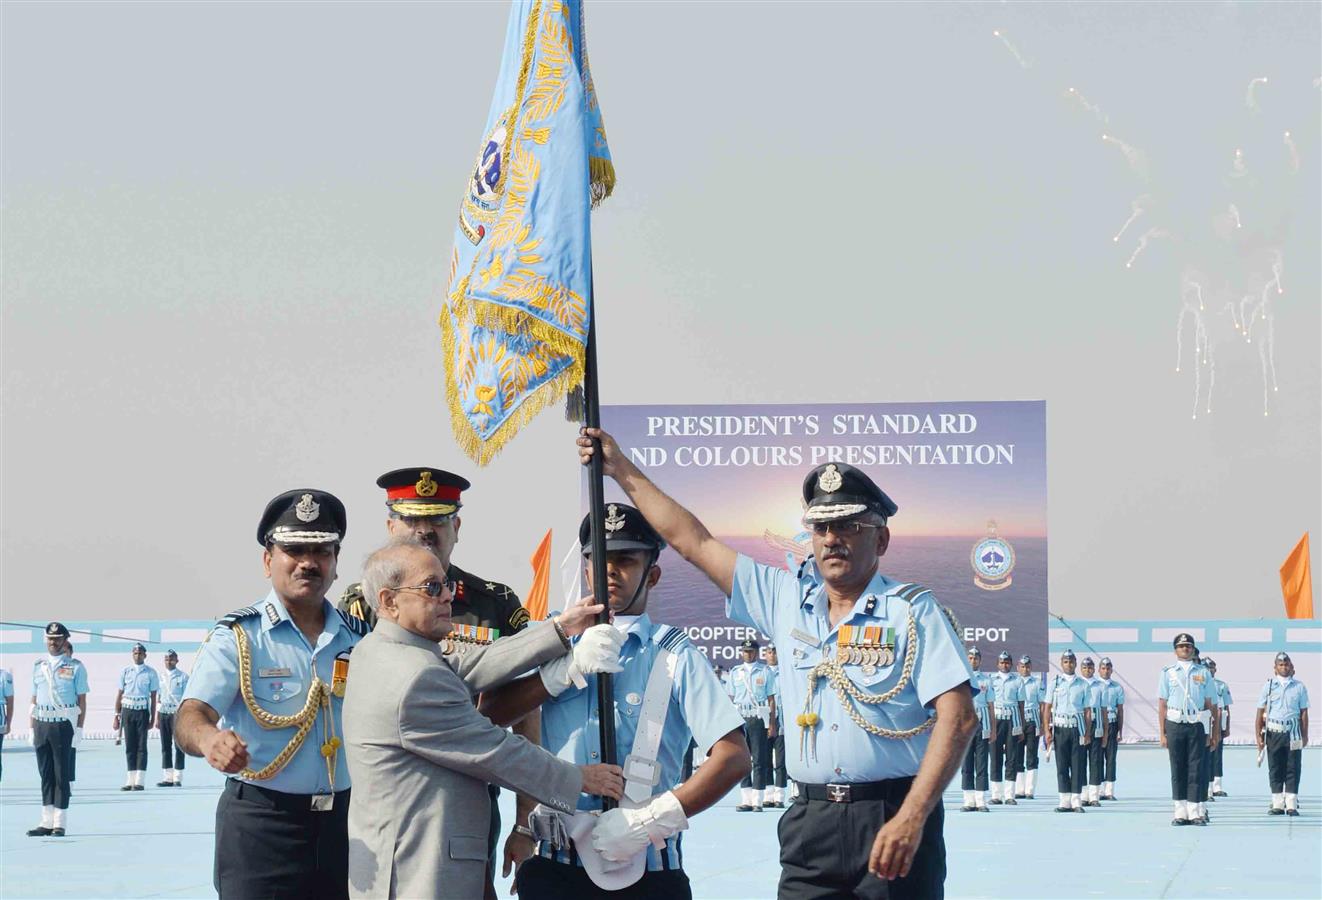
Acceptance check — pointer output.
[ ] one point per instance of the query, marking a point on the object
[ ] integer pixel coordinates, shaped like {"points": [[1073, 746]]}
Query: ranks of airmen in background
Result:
{"points": [[977, 757], [1223, 702], [1113, 714], [1281, 729], [1025, 782], [1184, 693], [1068, 720], [1007, 700], [59, 689], [277, 688], [753, 684]]}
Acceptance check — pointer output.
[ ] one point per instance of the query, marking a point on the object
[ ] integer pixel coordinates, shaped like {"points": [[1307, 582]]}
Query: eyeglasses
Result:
{"points": [[840, 529], [431, 587]]}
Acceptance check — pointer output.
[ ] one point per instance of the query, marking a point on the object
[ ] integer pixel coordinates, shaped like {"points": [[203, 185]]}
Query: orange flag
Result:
{"points": [[1297, 582], [539, 593]]}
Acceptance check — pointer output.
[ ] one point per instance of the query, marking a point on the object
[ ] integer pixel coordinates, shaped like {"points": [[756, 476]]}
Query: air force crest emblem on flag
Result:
{"points": [[992, 560]]}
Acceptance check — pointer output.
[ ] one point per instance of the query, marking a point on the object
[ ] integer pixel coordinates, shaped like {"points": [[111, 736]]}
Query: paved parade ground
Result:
{"points": [[158, 843]]}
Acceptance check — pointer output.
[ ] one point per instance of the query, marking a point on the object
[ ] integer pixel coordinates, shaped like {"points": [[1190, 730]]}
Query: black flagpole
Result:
{"points": [[597, 514]]}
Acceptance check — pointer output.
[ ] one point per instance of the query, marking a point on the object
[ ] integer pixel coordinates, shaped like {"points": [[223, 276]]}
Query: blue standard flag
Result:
{"points": [[515, 324]]}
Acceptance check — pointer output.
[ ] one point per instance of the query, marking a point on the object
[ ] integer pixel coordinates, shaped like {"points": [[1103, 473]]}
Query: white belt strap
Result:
{"points": [[641, 771]]}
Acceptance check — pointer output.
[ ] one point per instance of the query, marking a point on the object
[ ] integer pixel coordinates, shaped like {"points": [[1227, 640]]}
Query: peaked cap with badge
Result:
{"points": [[304, 516], [56, 629], [626, 529], [836, 491], [423, 491]]}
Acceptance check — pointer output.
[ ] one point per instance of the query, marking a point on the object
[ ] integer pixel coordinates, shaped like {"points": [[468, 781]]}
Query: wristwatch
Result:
{"points": [[525, 831]]}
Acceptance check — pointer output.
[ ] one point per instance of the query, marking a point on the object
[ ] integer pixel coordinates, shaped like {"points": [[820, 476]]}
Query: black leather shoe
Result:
{"points": [[165, 784], [40, 831], [1063, 809], [983, 809], [757, 809], [996, 802], [1292, 812], [1020, 796], [1180, 821], [1273, 811], [1201, 820], [968, 809], [57, 832], [138, 787], [1079, 809], [126, 787], [1012, 802], [1220, 794], [743, 807]]}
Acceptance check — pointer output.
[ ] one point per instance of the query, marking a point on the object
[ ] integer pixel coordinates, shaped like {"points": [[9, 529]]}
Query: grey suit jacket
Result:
{"points": [[420, 756]]}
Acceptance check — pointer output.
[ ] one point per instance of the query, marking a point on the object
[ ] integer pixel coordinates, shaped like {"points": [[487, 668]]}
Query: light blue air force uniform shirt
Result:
{"points": [[775, 693], [1284, 704], [57, 685], [1032, 700], [1007, 691], [1113, 697], [793, 609], [752, 683], [283, 663], [699, 709], [174, 682], [1095, 704], [6, 690], [138, 682], [1068, 698], [1186, 691]]}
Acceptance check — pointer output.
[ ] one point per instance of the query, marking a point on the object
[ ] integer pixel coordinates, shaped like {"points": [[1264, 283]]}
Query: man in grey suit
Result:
{"points": [[418, 751]]}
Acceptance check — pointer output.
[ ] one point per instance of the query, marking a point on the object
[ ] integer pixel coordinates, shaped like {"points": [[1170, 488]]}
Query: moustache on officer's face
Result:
{"points": [[427, 537]]}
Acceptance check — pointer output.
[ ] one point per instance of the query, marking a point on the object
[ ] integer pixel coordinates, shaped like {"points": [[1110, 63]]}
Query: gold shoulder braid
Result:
{"points": [[319, 695], [850, 694]]}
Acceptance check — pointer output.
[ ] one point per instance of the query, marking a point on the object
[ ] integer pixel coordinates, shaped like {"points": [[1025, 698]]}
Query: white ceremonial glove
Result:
{"points": [[77, 737], [598, 650], [621, 834]]}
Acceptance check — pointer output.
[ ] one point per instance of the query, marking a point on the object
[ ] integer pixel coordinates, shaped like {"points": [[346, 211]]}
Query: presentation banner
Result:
{"points": [[970, 480]]}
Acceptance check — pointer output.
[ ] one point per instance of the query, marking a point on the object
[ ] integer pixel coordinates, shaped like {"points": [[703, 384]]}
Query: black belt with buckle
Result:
{"points": [[891, 789]]}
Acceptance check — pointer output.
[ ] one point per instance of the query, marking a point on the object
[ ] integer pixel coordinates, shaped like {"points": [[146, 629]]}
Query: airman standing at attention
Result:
{"points": [[135, 709], [1067, 719], [1026, 780], [753, 683], [173, 684], [1113, 712], [1218, 756], [976, 758], [59, 690], [776, 791], [1281, 728], [1007, 697], [1096, 752], [1184, 693]]}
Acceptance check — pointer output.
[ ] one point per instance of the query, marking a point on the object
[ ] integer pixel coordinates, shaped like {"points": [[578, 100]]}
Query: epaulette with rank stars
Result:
{"points": [[238, 615]]}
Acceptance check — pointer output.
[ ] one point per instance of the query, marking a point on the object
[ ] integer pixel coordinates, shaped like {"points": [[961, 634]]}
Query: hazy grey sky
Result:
{"points": [[226, 229]]}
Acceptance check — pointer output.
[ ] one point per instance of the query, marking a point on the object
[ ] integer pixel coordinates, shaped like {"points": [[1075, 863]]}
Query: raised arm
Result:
{"points": [[677, 525]]}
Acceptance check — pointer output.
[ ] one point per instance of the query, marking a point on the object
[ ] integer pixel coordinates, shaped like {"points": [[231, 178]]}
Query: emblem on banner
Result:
{"points": [[993, 560], [486, 187]]}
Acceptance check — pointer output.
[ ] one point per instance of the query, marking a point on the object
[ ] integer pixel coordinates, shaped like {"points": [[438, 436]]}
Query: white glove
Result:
{"points": [[621, 834], [598, 650], [77, 737]]}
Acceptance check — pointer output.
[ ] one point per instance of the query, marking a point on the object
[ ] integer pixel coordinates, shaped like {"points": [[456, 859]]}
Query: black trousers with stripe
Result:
{"points": [[1070, 759], [1027, 743], [168, 746], [1185, 742], [270, 844], [52, 741], [136, 722], [755, 732], [824, 849], [1283, 764]]}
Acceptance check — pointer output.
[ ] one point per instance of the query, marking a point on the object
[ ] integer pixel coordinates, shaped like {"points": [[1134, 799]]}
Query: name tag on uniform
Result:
{"points": [[804, 638], [275, 673]]}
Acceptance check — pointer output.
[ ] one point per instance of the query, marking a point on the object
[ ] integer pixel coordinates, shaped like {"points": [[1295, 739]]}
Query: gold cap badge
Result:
{"points": [[426, 486]]}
